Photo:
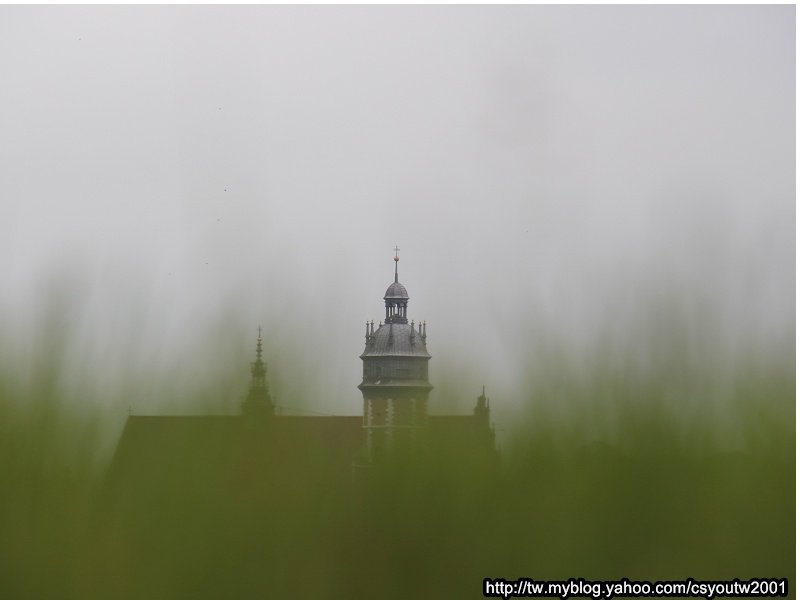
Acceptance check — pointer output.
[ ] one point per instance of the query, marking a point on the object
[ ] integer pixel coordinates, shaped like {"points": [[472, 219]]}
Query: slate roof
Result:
{"points": [[397, 344], [157, 455], [162, 457], [155, 434]]}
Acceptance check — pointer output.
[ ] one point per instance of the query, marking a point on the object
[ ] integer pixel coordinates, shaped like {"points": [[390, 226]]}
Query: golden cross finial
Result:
{"points": [[396, 258]]}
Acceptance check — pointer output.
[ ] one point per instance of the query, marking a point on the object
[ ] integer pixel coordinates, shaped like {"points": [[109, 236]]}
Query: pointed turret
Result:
{"points": [[481, 409], [258, 402]]}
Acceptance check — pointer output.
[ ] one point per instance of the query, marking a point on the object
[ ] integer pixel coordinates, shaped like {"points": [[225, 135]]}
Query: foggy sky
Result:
{"points": [[172, 177]]}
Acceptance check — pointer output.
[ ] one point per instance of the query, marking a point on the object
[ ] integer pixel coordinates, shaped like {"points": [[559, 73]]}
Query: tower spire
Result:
{"points": [[258, 400], [396, 260]]}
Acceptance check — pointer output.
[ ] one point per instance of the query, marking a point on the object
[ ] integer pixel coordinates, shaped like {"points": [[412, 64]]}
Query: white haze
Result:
{"points": [[173, 176]]}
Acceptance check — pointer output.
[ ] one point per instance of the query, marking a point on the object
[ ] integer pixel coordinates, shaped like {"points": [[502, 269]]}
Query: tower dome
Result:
{"points": [[396, 290]]}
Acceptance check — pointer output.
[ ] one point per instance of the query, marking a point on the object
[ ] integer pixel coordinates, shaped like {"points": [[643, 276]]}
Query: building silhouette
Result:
{"points": [[261, 448]]}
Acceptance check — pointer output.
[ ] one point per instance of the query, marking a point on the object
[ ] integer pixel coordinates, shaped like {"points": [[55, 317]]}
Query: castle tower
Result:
{"points": [[395, 380], [258, 402]]}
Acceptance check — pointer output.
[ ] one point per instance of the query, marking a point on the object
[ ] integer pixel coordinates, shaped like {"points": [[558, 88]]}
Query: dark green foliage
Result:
{"points": [[661, 498]]}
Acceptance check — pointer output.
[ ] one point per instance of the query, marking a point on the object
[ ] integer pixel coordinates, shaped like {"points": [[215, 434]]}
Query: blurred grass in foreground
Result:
{"points": [[660, 497]]}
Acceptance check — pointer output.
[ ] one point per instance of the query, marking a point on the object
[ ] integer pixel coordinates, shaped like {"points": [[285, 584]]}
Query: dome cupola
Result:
{"points": [[396, 298]]}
